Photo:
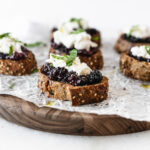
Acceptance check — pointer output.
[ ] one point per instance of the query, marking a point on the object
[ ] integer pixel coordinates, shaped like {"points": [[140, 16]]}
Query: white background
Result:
{"points": [[107, 15]]}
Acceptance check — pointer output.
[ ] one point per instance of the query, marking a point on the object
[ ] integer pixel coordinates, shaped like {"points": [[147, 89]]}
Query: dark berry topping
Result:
{"points": [[91, 31], [63, 75], [16, 55], [133, 39], [84, 52], [138, 58], [62, 48]]}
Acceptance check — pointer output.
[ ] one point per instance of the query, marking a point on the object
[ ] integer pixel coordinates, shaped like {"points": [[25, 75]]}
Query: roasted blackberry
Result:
{"points": [[138, 58], [62, 48], [4, 56], [63, 75], [72, 78], [91, 31], [133, 39], [16, 55]]}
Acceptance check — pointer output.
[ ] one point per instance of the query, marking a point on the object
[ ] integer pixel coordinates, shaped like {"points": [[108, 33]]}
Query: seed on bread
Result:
{"points": [[133, 68], [18, 67], [64, 91]]}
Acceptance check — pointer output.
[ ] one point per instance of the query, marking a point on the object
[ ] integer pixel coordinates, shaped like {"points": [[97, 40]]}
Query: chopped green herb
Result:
{"points": [[147, 49], [35, 70], [96, 38], [16, 40], [11, 49], [58, 57], [76, 20], [67, 58], [11, 86], [133, 29], [70, 58], [25, 44], [4, 35], [146, 86], [77, 31], [35, 44], [51, 65]]}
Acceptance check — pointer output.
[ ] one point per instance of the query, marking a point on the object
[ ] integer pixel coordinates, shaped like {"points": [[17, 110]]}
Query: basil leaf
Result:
{"points": [[17, 41], [35, 44], [67, 58], [73, 19], [147, 49], [77, 31], [58, 57], [11, 49], [51, 65], [35, 70], [11, 86], [96, 38], [133, 29], [4, 35], [77, 21], [73, 54]]}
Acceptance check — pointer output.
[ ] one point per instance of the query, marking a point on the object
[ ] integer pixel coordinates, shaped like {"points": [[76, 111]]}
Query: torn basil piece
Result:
{"points": [[11, 49]]}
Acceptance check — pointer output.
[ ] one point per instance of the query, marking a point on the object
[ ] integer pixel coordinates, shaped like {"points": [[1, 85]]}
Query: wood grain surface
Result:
{"points": [[27, 114]]}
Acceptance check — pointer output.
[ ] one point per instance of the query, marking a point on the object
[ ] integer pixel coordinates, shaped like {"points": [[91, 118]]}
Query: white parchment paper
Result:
{"points": [[126, 97]]}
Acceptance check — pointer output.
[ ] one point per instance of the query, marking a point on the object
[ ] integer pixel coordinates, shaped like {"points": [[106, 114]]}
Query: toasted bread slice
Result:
{"points": [[78, 95], [133, 68], [94, 61], [18, 67], [123, 45]]}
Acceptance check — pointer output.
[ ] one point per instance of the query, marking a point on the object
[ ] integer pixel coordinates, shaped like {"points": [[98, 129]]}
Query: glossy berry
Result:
{"points": [[62, 48], [138, 58], [63, 75], [133, 39], [91, 31], [16, 55]]}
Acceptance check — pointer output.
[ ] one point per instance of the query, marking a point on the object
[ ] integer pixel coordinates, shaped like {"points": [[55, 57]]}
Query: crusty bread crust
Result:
{"points": [[133, 68], [18, 67], [79, 95], [123, 45], [94, 61]]}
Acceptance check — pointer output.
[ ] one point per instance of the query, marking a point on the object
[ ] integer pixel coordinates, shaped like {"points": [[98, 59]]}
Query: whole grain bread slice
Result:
{"points": [[133, 68], [18, 67], [94, 61], [78, 95], [123, 45]]}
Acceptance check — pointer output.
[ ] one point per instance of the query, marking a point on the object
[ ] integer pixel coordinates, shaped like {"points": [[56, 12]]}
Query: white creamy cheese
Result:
{"points": [[84, 24], [68, 26], [138, 31], [79, 41], [5, 44], [140, 51], [77, 66]]}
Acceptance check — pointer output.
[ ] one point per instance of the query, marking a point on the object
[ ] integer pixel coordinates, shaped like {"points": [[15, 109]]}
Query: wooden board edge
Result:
{"points": [[53, 120]]}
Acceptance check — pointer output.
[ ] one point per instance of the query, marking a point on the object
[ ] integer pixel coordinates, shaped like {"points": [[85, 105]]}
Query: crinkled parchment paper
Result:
{"points": [[126, 97]]}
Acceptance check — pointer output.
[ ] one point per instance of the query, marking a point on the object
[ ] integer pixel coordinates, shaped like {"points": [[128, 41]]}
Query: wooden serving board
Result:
{"points": [[47, 119]]}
